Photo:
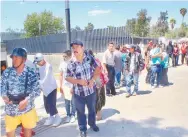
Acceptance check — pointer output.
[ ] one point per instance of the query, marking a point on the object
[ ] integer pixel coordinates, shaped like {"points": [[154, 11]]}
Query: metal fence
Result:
{"points": [[96, 40]]}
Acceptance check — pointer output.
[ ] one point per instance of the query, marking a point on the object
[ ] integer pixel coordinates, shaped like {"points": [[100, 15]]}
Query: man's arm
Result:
{"points": [[33, 87], [104, 63]]}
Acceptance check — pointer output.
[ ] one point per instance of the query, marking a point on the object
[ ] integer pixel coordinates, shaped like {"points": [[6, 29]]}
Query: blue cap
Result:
{"points": [[20, 52], [76, 42]]}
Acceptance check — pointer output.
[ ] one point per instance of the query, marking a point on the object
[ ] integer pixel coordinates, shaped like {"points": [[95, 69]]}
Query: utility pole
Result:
{"points": [[67, 15]]}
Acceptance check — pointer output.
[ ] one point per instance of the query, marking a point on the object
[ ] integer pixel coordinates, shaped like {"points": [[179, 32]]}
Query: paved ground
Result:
{"points": [[160, 112]]}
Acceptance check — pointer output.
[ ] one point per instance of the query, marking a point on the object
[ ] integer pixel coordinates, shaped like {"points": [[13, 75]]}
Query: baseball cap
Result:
{"points": [[19, 52], [38, 57], [76, 42]]}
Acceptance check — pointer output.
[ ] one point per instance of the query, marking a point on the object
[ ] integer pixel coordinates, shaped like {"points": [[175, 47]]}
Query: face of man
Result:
{"points": [[111, 47], [131, 50], [66, 57], [78, 50], [17, 61], [41, 63]]}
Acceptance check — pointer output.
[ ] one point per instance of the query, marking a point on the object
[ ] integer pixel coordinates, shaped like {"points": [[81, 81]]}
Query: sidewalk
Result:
{"points": [[160, 112]]}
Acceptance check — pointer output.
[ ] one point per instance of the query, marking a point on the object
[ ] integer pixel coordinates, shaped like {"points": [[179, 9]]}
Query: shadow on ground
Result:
{"points": [[120, 128], [109, 112], [144, 92]]}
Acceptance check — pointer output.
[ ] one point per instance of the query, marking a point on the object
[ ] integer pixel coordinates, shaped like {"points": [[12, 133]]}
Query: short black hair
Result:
{"points": [[111, 43], [68, 53], [117, 47]]}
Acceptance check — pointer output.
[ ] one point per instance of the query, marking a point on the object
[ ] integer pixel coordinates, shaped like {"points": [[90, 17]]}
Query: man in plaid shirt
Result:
{"points": [[82, 71]]}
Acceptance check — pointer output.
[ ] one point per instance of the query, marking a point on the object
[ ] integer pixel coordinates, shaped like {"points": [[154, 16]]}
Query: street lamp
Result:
{"points": [[67, 15]]}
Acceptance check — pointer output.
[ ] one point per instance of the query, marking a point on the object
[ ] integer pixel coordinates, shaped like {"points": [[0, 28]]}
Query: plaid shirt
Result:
{"points": [[84, 70]]}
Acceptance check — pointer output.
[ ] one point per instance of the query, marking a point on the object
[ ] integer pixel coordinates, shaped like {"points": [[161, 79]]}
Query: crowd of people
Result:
{"points": [[85, 80]]}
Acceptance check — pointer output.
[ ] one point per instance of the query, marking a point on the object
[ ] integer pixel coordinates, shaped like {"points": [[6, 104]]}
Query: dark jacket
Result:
{"points": [[138, 62], [169, 49]]}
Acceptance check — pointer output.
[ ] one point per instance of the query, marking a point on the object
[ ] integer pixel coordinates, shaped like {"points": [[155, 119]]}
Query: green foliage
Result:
{"points": [[77, 28], [139, 26], [43, 23], [89, 27]]}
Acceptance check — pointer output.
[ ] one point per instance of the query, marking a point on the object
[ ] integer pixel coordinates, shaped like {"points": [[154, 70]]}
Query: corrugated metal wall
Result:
{"points": [[96, 40]]}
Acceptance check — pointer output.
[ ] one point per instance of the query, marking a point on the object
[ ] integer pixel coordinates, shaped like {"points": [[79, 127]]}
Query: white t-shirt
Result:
{"points": [[47, 80], [63, 69], [109, 58]]}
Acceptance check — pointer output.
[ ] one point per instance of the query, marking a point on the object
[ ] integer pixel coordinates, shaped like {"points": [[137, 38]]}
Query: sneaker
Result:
{"points": [[152, 87], [49, 121], [95, 128], [57, 121], [128, 95], [83, 134], [135, 94], [67, 119], [72, 119]]}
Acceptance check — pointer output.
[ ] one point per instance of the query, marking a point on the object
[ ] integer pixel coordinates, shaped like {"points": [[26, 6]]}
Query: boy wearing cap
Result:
{"points": [[134, 64], [82, 71], [19, 88], [49, 88], [66, 88]]}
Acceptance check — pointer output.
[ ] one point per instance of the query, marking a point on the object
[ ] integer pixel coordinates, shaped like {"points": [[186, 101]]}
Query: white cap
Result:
{"points": [[38, 57]]}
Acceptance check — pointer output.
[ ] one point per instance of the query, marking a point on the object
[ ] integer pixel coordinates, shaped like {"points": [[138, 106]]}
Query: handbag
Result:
{"points": [[17, 98]]}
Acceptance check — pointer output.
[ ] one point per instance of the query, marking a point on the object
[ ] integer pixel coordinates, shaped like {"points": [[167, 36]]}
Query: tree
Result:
{"points": [[130, 25], [110, 27], [183, 11], [172, 22], [89, 27], [142, 24], [162, 23], [43, 23], [139, 26], [77, 28]]}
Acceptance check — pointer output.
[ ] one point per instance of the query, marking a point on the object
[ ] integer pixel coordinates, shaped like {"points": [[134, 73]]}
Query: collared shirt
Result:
{"points": [[109, 58], [84, 70], [17, 85]]}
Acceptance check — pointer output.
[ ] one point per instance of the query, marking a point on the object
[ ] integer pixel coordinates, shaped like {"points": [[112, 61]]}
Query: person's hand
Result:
{"points": [[6, 100], [91, 83], [23, 104], [61, 90], [71, 91], [83, 82], [105, 71]]}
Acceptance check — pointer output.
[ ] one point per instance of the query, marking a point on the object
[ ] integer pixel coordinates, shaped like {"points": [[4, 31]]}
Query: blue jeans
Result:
{"points": [[110, 87], [70, 107], [132, 77], [90, 102], [117, 77], [155, 74]]}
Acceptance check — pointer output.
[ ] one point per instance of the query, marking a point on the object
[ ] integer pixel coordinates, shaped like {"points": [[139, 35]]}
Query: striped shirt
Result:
{"points": [[84, 70]]}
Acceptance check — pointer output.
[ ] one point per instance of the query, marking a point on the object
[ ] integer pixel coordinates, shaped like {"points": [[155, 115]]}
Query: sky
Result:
{"points": [[101, 14]]}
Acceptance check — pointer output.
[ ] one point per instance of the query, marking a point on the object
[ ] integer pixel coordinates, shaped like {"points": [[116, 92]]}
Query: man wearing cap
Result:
{"points": [[109, 63], [82, 71], [49, 88], [19, 88], [134, 64]]}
